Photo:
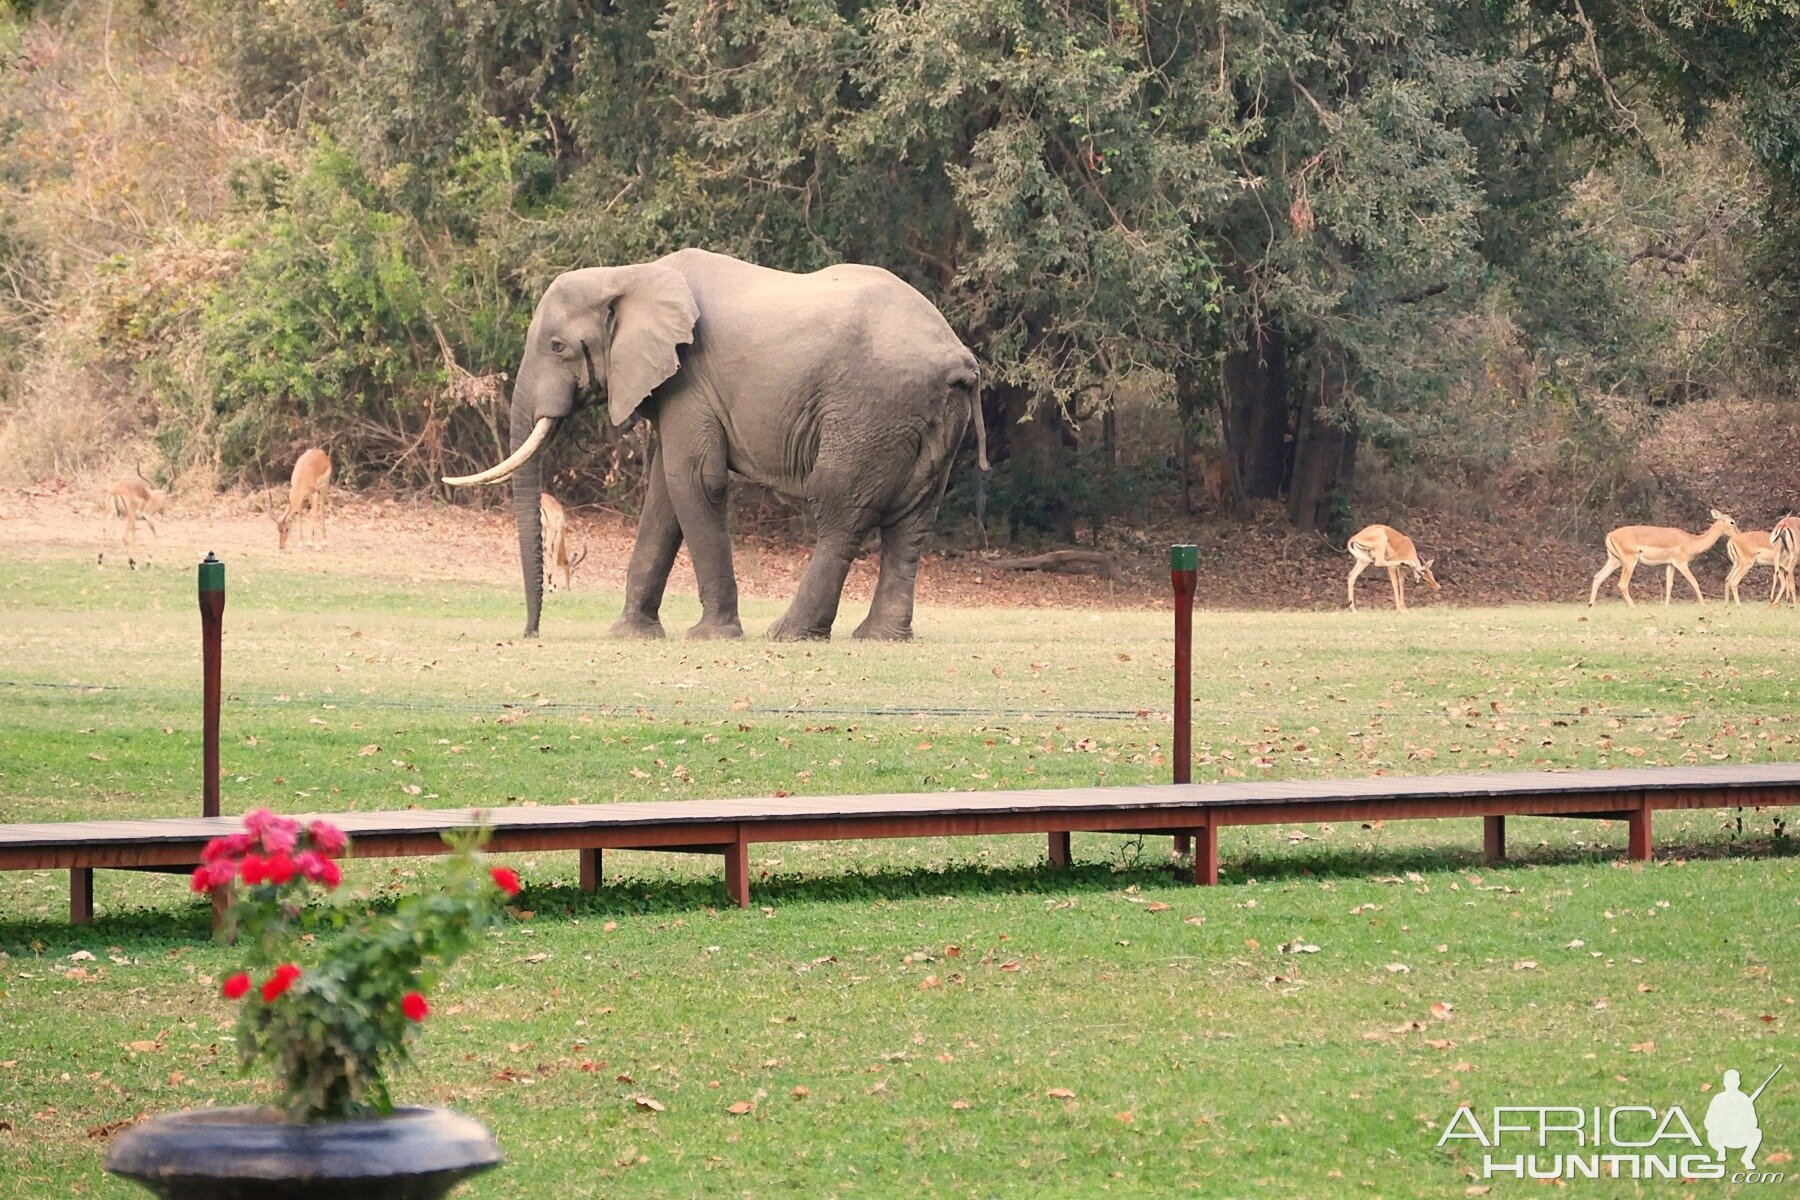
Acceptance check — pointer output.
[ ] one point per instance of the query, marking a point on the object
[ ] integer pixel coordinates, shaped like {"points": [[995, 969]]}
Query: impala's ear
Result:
{"points": [[653, 312], [1426, 565]]}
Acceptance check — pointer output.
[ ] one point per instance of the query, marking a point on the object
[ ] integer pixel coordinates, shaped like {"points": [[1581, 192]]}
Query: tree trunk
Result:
{"points": [[1255, 411], [1325, 437], [1039, 451]]}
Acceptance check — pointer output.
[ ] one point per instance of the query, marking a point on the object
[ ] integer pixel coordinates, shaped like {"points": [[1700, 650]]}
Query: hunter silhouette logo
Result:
{"points": [[1731, 1119]]}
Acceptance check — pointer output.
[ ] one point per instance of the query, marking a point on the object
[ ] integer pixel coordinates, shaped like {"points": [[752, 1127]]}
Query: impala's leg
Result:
{"points": [[1692, 582], [1626, 567], [1612, 564], [1394, 583], [1733, 580], [1362, 564]]}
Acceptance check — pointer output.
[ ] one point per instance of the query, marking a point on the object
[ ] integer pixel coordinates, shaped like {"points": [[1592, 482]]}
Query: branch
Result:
{"points": [[1436, 289]]}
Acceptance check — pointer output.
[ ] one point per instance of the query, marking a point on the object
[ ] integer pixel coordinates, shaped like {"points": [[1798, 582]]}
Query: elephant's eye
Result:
{"points": [[558, 346]]}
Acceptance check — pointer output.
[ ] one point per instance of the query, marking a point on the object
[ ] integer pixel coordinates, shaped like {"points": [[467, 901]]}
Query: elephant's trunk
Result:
{"points": [[528, 486]]}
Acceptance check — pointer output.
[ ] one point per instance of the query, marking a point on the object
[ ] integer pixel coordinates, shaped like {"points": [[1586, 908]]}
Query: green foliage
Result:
{"points": [[339, 1026]]}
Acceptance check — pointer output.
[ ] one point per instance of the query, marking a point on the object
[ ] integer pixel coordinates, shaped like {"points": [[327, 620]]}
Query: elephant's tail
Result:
{"points": [[968, 380]]}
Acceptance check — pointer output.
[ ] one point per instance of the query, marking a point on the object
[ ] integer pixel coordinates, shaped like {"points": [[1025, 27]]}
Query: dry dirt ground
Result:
{"points": [[1248, 560]]}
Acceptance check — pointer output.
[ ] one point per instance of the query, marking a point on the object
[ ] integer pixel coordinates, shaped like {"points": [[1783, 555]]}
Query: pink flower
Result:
{"points": [[327, 838], [414, 1005], [219, 874], [277, 834], [506, 879], [236, 986], [280, 867], [318, 868], [279, 982]]}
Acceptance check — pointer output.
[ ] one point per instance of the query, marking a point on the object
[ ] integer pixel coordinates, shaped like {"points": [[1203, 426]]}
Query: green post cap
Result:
{"points": [[212, 574], [1184, 558]]}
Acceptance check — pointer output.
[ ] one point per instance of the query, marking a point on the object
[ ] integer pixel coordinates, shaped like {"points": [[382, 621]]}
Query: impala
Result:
{"points": [[556, 543], [1385, 546], [132, 501], [1748, 550], [1786, 536], [308, 489], [1632, 546]]}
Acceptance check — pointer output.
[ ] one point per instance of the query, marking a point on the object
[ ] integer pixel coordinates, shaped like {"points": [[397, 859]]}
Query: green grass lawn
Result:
{"points": [[1201, 1057]]}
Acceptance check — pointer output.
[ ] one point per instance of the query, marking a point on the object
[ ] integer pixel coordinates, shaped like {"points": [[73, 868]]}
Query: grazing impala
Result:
{"points": [[131, 501], [1632, 546], [308, 488], [556, 544], [1748, 550], [1786, 536], [1385, 546]]}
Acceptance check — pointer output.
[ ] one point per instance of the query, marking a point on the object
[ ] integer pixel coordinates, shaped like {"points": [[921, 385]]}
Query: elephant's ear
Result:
{"points": [[653, 313]]}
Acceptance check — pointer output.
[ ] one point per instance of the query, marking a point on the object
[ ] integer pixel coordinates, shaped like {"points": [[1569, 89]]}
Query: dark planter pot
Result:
{"points": [[252, 1154]]}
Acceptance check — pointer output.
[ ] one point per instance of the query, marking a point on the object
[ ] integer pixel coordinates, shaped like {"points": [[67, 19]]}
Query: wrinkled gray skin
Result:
{"points": [[845, 389]]}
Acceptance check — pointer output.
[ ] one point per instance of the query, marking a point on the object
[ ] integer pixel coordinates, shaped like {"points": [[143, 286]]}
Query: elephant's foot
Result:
{"points": [[875, 629], [711, 630], [636, 625], [791, 629]]}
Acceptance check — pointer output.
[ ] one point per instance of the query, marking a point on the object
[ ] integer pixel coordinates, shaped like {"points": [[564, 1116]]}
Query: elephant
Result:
{"points": [[844, 388]]}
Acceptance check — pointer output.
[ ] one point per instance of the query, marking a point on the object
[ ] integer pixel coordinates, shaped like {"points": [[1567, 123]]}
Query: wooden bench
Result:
{"points": [[730, 827]]}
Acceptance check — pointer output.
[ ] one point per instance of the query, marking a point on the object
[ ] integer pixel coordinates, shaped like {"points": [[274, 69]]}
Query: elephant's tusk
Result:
{"points": [[514, 461]]}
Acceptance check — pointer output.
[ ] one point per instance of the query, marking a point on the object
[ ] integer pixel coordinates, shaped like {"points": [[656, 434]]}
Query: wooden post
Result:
{"points": [[1640, 830], [81, 895], [590, 869], [1493, 839], [1206, 856], [1184, 562], [737, 870], [212, 628], [1059, 849]]}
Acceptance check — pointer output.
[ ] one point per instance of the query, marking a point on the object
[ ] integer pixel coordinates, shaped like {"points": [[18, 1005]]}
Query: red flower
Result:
{"points": [[235, 846], [279, 982], [331, 875], [255, 869], [327, 838], [202, 879], [280, 867], [211, 876], [506, 879], [414, 1006], [236, 986]]}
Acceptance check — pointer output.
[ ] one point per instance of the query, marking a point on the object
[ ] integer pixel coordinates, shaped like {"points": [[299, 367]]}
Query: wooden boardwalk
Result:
{"points": [[729, 827]]}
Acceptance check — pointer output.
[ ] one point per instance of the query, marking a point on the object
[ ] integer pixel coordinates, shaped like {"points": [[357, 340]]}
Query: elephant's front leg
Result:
{"points": [[695, 471], [814, 608], [652, 557]]}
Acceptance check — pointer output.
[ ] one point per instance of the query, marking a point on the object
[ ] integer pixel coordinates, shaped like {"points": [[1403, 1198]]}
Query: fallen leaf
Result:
{"points": [[1525, 965], [1442, 1011], [1397, 968], [1157, 906], [1060, 1093], [959, 1105], [929, 982], [800, 1092], [1648, 1047], [144, 1047], [648, 1103], [739, 1108]]}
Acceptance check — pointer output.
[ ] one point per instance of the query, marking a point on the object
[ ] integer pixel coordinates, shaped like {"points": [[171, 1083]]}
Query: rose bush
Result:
{"points": [[334, 1001]]}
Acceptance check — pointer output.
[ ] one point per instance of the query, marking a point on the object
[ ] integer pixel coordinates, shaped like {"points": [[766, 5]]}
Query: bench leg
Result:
{"points": [[1493, 839], [1059, 849], [1206, 856], [590, 870], [737, 872], [81, 895], [1640, 832]]}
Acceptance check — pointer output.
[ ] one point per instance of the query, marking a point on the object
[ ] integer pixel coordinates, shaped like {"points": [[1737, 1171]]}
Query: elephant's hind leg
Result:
{"points": [[652, 557], [814, 608], [902, 545]]}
